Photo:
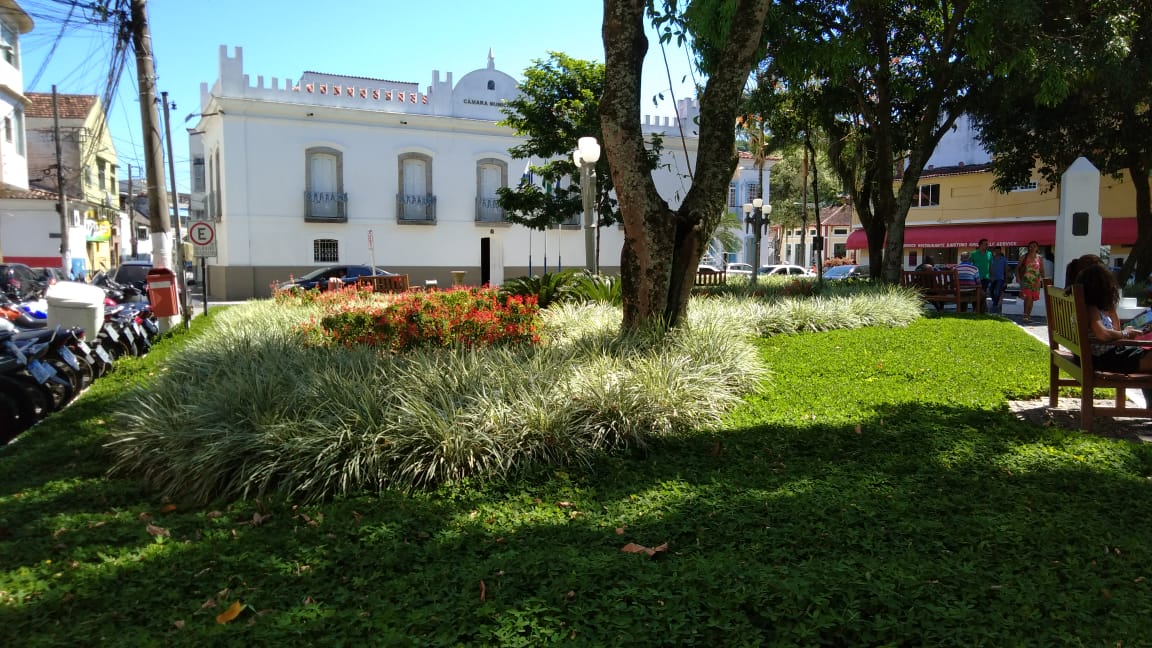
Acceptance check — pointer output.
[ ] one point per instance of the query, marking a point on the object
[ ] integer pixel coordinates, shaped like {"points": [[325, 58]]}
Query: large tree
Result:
{"points": [[662, 245], [1084, 88], [884, 80]]}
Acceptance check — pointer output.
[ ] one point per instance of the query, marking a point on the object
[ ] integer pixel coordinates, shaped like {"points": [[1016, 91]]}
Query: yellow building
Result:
{"points": [[90, 167], [956, 206]]}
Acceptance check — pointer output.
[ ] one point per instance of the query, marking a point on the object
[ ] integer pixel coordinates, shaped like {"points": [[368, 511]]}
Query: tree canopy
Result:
{"points": [[884, 80], [1083, 87]]}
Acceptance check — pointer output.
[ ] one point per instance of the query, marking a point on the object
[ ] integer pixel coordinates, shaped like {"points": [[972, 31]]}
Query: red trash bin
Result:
{"points": [[162, 292]]}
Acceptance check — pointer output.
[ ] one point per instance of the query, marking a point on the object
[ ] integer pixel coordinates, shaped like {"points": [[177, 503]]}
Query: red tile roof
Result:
{"points": [[838, 215], [71, 106]]}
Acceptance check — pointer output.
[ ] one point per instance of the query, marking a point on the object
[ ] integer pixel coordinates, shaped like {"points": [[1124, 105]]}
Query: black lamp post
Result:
{"points": [[756, 219]]}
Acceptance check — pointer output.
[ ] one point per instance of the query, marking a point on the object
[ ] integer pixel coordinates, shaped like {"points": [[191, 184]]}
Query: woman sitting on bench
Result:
{"points": [[1101, 295]]}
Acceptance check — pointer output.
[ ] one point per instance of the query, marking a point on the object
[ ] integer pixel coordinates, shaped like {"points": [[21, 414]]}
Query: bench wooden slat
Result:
{"points": [[1070, 354]]}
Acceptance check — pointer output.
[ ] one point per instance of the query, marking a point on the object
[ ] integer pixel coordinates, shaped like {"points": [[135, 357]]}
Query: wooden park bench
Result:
{"points": [[709, 278], [939, 287], [383, 283], [1070, 354]]}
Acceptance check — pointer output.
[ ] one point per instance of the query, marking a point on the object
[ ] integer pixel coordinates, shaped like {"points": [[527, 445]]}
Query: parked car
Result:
{"points": [[50, 275], [135, 273], [782, 269], [20, 283], [319, 278], [739, 269], [846, 272], [705, 268], [132, 273]]}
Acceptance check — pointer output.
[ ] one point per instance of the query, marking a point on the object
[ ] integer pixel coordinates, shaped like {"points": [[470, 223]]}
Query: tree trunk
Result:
{"points": [[1139, 261], [662, 246]]}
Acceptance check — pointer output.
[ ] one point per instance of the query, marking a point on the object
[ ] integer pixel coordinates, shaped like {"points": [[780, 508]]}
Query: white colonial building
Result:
{"points": [[329, 169]]}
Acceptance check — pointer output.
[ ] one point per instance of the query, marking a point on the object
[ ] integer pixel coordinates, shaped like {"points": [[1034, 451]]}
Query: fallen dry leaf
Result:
{"points": [[564, 504], [156, 531], [167, 508], [230, 614], [483, 591], [717, 449], [632, 547], [258, 519], [144, 517], [179, 623], [212, 515], [857, 428], [619, 530], [210, 603]]}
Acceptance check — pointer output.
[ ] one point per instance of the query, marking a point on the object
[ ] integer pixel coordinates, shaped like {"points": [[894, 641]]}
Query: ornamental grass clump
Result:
{"points": [[461, 317], [250, 408]]}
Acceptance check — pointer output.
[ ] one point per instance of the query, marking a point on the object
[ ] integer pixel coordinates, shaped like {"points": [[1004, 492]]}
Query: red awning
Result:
{"points": [[1116, 231]]}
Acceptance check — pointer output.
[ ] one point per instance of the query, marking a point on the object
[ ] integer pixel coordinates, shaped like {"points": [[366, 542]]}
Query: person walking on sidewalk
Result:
{"points": [[981, 257], [997, 277], [1030, 273]]}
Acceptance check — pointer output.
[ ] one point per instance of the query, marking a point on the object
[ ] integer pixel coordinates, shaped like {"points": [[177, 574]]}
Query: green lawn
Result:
{"points": [[877, 492]]}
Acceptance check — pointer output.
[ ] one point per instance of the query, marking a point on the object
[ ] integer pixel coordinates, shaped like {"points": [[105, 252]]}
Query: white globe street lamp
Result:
{"points": [[586, 155]]}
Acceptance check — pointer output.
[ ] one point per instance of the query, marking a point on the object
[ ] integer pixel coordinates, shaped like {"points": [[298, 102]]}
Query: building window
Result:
{"points": [[326, 251], [491, 85], [102, 174], [18, 128], [87, 177], [217, 193], [9, 44], [753, 191], [324, 197], [840, 250], [1027, 186], [198, 174], [926, 196], [8, 129], [142, 233], [732, 195], [491, 174], [415, 202], [839, 231]]}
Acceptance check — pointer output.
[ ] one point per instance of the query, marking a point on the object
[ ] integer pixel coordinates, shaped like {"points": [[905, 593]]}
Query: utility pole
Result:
{"points": [[61, 197], [132, 213], [153, 145], [183, 288]]}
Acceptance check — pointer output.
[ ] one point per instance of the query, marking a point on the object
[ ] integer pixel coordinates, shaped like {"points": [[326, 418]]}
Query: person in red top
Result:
{"points": [[1030, 274]]}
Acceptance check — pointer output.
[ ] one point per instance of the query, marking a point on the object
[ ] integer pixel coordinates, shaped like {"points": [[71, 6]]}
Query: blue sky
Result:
{"points": [[402, 41]]}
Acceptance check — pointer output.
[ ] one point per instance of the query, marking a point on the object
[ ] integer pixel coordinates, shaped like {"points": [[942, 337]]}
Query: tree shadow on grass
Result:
{"points": [[976, 529]]}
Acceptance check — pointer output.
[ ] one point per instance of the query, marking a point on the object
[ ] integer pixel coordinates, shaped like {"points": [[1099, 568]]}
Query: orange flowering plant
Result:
{"points": [[460, 317]]}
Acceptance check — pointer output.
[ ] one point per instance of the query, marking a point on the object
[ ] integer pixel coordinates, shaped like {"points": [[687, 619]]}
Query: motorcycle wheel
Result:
{"points": [[35, 401]]}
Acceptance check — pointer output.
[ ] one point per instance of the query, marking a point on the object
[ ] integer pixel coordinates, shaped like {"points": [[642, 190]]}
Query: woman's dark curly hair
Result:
{"points": [[1076, 265], [1100, 287]]}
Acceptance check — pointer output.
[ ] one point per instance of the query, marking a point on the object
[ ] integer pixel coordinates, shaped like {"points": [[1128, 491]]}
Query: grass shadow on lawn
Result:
{"points": [[973, 530]]}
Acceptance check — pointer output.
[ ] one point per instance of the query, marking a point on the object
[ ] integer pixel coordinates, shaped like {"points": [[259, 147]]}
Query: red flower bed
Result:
{"points": [[467, 317]]}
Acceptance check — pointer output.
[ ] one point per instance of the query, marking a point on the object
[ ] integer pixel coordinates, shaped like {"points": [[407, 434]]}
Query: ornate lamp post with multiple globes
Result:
{"points": [[585, 156], [756, 219]]}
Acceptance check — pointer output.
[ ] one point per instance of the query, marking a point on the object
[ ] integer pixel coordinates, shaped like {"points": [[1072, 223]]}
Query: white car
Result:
{"points": [[782, 269], [739, 269]]}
